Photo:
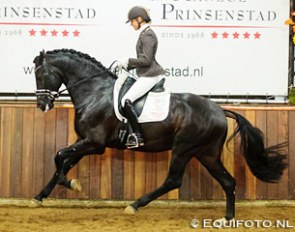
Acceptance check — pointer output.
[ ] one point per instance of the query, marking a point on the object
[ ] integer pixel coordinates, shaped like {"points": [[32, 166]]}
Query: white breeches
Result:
{"points": [[141, 86]]}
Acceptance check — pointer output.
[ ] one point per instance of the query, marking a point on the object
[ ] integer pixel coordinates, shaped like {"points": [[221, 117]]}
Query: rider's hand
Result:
{"points": [[122, 64]]}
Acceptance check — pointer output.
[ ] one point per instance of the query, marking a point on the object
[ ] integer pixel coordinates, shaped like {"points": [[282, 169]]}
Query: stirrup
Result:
{"points": [[134, 140]]}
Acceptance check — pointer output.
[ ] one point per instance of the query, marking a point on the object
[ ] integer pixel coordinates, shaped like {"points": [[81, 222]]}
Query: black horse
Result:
{"points": [[194, 128]]}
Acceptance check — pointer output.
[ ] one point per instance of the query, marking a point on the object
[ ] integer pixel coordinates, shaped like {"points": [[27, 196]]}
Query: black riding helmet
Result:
{"points": [[137, 11]]}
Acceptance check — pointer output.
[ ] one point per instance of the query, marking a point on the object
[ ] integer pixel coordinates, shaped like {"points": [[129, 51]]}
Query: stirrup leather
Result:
{"points": [[134, 140]]}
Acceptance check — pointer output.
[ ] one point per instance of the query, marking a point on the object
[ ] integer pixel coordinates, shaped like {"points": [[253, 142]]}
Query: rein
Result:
{"points": [[55, 94]]}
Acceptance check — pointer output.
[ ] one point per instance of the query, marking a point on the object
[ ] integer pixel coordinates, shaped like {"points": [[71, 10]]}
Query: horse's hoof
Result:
{"points": [[75, 185], [34, 203], [130, 210]]}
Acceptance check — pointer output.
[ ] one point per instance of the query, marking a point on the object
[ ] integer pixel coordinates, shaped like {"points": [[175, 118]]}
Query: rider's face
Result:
{"points": [[135, 23]]}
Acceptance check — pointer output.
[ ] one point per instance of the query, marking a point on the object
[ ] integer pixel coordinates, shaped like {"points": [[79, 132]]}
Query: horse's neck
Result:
{"points": [[86, 88], [95, 92]]}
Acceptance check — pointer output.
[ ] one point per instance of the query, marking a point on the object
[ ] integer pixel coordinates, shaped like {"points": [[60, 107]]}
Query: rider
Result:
{"points": [[148, 70]]}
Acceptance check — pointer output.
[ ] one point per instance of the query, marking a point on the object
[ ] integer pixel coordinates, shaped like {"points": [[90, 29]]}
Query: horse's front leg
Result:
{"points": [[72, 184], [65, 159]]}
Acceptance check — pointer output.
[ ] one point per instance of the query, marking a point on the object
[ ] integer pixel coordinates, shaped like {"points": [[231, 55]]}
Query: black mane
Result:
{"points": [[81, 55]]}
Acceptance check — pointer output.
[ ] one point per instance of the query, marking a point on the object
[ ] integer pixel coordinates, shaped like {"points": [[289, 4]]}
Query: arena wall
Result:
{"points": [[30, 138]]}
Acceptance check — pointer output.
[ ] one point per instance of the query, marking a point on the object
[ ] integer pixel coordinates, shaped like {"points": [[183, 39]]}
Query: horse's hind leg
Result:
{"points": [[173, 181], [228, 183]]}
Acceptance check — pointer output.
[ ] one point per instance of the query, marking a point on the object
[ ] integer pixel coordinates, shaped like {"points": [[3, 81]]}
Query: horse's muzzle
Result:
{"points": [[44, 103]]}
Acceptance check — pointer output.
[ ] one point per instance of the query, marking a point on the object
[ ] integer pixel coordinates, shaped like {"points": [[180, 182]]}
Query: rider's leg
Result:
{"points": [[136, 138], [137, 90], [141, 86]]}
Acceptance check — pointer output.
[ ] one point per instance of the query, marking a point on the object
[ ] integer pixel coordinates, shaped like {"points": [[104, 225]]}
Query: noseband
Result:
{"points": [[52, 95]]}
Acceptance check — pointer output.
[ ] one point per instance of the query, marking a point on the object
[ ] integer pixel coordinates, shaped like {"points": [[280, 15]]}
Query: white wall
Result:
{"points": [[195, 60]]}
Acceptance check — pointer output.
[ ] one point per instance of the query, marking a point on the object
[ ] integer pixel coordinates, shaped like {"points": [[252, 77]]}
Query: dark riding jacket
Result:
{"points": [[146, 49]]}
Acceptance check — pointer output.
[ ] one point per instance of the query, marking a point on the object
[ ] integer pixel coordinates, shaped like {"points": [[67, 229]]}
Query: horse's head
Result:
{"points": [[48, 81]]}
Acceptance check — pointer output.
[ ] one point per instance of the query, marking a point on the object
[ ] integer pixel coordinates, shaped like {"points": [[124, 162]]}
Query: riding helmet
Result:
{"points": [[137, 11]]}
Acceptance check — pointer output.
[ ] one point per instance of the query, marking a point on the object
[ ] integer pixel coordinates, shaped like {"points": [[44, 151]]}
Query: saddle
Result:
{"points": [[152, 107], [139, 103]]}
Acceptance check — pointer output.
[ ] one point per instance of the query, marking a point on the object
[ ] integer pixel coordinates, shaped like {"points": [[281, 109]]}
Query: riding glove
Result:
{"points": [[122, 64]]}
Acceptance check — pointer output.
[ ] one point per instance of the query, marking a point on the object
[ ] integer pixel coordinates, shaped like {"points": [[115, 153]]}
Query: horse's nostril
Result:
{"points": [[40, 106]]}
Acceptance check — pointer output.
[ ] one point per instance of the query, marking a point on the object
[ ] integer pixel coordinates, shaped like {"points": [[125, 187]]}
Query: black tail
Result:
{"points": [[266, 163]]}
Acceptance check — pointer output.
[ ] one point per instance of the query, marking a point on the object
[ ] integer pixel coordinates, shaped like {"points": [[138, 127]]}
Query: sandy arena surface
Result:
{"points": [[62, 217]]}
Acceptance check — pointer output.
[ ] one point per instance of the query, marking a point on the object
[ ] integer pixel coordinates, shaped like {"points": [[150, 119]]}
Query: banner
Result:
{"points": [[207, 47]]}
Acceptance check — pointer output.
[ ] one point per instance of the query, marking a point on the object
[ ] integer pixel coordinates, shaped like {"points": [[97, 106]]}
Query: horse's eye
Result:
{"points": [[38, 76]]}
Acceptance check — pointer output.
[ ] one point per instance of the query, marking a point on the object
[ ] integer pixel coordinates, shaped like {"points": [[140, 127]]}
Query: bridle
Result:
{"points": [[52, 95]]}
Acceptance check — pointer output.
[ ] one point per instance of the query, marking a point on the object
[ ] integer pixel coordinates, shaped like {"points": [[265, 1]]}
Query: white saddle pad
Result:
{"points": [[155, 109]]}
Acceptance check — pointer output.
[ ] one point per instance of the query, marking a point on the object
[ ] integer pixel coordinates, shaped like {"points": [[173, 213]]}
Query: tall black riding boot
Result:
{"points": [[135, 139]]}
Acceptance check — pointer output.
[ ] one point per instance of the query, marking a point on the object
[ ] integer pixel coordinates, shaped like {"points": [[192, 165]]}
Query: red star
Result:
{"points": [[214, 35], [54, 33], [225, 35], [246, 35], [257, 35], [236, 35], [43, 32], [32, 32], [65, 33], [76, 33]]}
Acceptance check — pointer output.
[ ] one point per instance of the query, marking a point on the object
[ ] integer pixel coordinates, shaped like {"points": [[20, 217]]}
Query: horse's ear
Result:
{"points": [[42, 53], [42, 56], [40, 59]]}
